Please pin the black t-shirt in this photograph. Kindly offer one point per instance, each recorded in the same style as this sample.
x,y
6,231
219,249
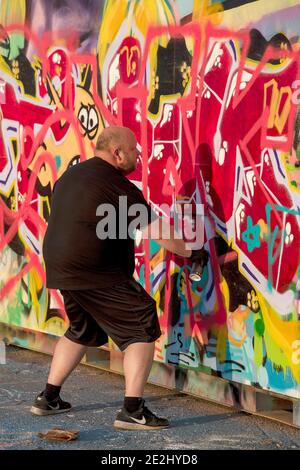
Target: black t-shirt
x,y
74,255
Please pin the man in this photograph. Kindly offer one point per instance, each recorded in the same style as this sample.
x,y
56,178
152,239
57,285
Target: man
x,y
94,276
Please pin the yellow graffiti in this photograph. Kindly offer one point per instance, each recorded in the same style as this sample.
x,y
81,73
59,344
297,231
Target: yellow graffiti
x,y
12,12
140,13
264,230
143,13
289,160
68,150
130,66
277,118
203,10
283,333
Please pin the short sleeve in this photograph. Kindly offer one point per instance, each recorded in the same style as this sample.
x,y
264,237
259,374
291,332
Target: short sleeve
x,y
136,199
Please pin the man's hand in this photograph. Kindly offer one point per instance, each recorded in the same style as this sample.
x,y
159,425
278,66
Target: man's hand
x,y
200,256
165,234
199,259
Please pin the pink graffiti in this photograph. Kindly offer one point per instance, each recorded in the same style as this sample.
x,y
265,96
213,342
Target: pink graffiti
x,y
215,140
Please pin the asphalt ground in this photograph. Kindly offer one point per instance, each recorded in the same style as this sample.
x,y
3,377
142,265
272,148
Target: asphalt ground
x,y
96,397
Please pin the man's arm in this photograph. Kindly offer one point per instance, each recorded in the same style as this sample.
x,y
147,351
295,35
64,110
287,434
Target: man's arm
x,y
166,235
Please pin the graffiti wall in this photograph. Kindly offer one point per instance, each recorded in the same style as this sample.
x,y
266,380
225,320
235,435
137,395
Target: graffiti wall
x,y
214,102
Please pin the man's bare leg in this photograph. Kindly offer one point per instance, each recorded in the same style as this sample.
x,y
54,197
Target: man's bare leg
x,y
66,357
138,359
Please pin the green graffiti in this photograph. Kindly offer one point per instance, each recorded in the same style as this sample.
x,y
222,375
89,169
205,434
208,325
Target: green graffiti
x,y
251,235
259,330
274,353
57,159
259,326
258,348
12,43
16,309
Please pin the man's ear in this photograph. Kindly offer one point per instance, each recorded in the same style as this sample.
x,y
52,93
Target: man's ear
x,y
117,154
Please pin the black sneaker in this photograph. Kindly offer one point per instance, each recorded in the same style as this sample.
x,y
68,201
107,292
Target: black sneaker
x,y
43,407
143,418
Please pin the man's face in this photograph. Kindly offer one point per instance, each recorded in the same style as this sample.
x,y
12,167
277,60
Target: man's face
x,y
128,154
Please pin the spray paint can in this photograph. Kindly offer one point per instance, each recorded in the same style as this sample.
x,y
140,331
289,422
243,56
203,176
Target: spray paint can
x,y
197,271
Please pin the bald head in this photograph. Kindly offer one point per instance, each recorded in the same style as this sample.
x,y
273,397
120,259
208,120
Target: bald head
x,y
117,145
113,136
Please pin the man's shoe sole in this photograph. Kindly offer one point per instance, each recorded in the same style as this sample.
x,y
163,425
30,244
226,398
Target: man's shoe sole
x,y
39,412
135,426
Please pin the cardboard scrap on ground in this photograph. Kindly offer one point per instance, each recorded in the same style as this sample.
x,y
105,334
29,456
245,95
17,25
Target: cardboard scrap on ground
x,y
59,434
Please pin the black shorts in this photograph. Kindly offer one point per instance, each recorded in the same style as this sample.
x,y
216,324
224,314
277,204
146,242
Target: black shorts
x,y
125,312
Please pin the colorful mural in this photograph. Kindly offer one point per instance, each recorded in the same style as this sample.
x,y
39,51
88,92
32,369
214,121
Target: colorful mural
x,y
214,104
